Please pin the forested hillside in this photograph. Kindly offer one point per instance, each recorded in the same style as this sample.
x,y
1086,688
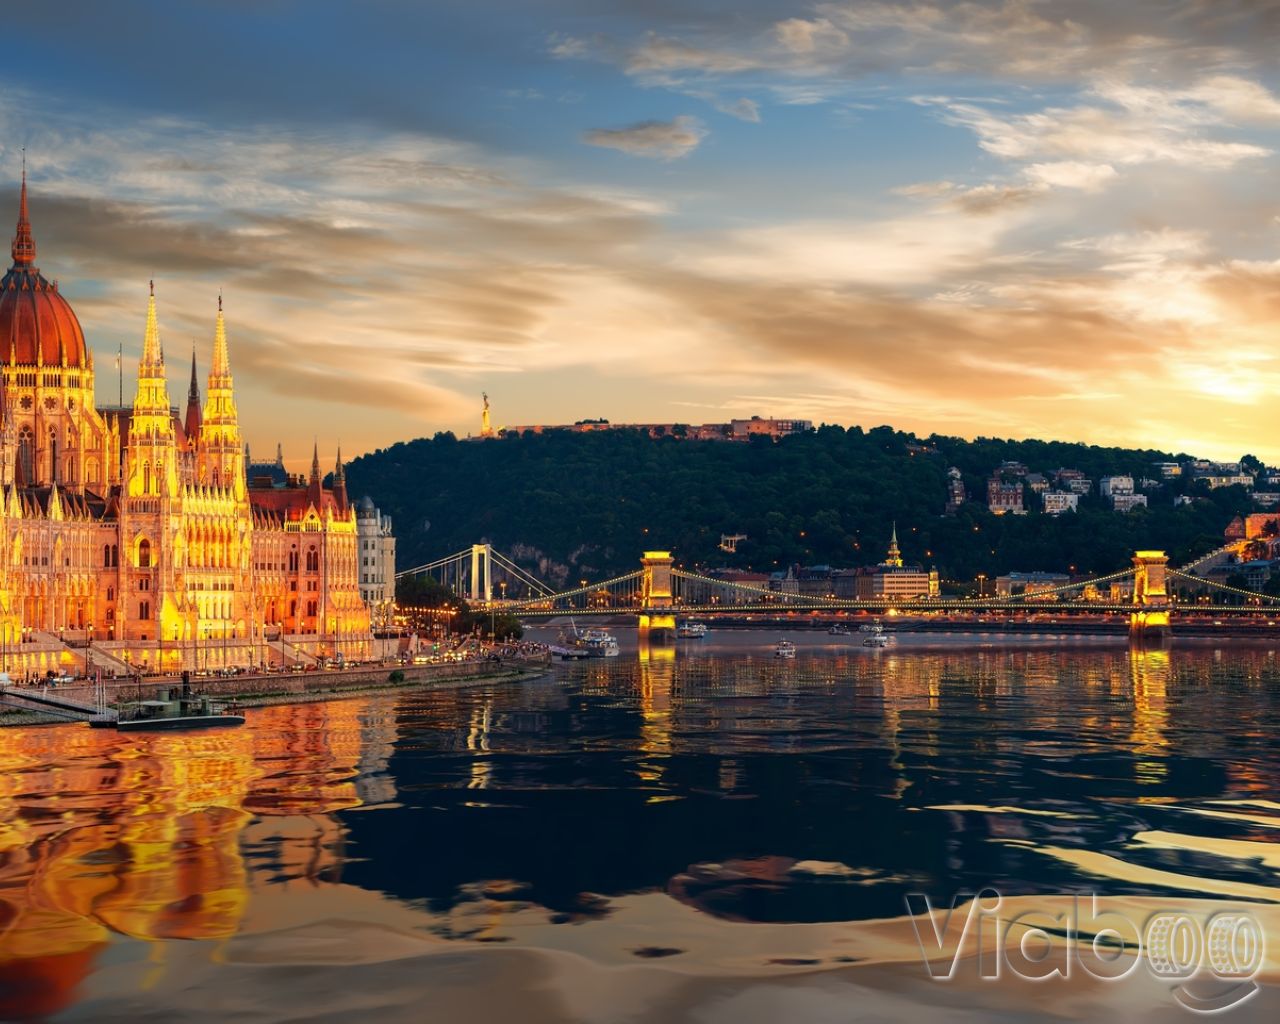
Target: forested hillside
x,y
588,504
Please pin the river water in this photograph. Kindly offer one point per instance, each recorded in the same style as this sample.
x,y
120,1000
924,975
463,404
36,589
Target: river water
x,y
691,832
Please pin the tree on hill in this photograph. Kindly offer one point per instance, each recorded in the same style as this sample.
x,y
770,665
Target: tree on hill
x,y
587,505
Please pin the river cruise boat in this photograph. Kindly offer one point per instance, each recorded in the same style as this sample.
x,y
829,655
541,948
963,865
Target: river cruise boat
x,y
691,630
877,640
839,629
597,643
785,649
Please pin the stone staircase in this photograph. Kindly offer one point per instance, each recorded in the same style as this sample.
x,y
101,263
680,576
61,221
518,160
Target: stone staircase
x,y
287,653
1213,560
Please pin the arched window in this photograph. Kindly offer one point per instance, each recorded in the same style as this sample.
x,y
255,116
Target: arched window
x,y
144,555
111,593
106,556
293,561
27,455
313,559
115,556
144,609
91,471
146,478
53,455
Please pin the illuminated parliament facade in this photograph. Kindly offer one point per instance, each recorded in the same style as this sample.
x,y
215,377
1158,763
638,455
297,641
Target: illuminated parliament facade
x,y
133,537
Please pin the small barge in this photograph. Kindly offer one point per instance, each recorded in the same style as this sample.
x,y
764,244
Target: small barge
x,y
170,711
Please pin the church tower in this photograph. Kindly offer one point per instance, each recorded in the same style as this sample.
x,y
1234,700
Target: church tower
x,y
894,557
221,450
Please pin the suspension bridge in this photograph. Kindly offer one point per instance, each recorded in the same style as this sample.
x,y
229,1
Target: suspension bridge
x,y
1149,592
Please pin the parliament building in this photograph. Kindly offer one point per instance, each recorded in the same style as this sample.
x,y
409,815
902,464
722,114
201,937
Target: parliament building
x,y
133,538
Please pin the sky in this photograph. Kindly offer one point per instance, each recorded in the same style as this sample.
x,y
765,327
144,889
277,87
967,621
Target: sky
x,y
987,218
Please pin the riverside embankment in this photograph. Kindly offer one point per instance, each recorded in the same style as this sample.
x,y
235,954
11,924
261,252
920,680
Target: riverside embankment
x,y
299,687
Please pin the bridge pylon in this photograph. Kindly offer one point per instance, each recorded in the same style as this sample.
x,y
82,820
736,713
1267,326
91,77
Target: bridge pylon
x,y
481,582
657,600
1150,617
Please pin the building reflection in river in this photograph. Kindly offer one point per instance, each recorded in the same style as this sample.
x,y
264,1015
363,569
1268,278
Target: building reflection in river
x,y
146,835
892,766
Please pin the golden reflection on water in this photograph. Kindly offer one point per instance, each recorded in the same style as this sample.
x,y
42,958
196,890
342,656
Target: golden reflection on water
x,y
143,834
657,679
161,837
1150,671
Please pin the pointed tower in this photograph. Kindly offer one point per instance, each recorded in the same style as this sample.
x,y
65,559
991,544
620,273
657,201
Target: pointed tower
x,y
894,557
191,423
221,449
315,492
340,484
150,493
152,421
24,244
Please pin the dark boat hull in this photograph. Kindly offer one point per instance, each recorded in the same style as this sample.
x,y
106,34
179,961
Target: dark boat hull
x,y
181,722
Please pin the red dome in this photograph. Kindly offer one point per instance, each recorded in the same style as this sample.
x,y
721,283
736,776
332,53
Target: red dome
x,y
36,323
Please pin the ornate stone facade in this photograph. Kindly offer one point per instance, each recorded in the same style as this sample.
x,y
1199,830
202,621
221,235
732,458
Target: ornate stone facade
x,y
131,537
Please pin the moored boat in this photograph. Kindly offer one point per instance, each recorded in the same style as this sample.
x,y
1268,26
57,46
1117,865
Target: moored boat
x,y
784,649
170,712
691,630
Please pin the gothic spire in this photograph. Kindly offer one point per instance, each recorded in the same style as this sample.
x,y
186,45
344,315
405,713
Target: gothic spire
x,y
193,392
151,416
191,423
152,357
221,366
315,462
340,483
24,245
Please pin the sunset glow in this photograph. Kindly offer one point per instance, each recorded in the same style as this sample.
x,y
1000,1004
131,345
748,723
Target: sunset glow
x,y
1030,219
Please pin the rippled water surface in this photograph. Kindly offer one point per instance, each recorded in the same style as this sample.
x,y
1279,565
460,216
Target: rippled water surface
x,y
673,805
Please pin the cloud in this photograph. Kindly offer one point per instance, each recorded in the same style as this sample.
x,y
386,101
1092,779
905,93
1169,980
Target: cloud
x,y
664,140
807,36
1135,129
1072,174
743,109
658,54
925,248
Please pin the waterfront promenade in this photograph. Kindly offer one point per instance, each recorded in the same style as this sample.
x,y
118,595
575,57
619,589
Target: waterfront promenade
x,y
255,689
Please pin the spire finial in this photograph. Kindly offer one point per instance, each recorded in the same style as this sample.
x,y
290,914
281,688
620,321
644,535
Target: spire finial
x,y
24,245
152,285
151,356
220,368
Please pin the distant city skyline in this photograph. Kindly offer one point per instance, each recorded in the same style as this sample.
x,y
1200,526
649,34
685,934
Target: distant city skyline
x,y
997,218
